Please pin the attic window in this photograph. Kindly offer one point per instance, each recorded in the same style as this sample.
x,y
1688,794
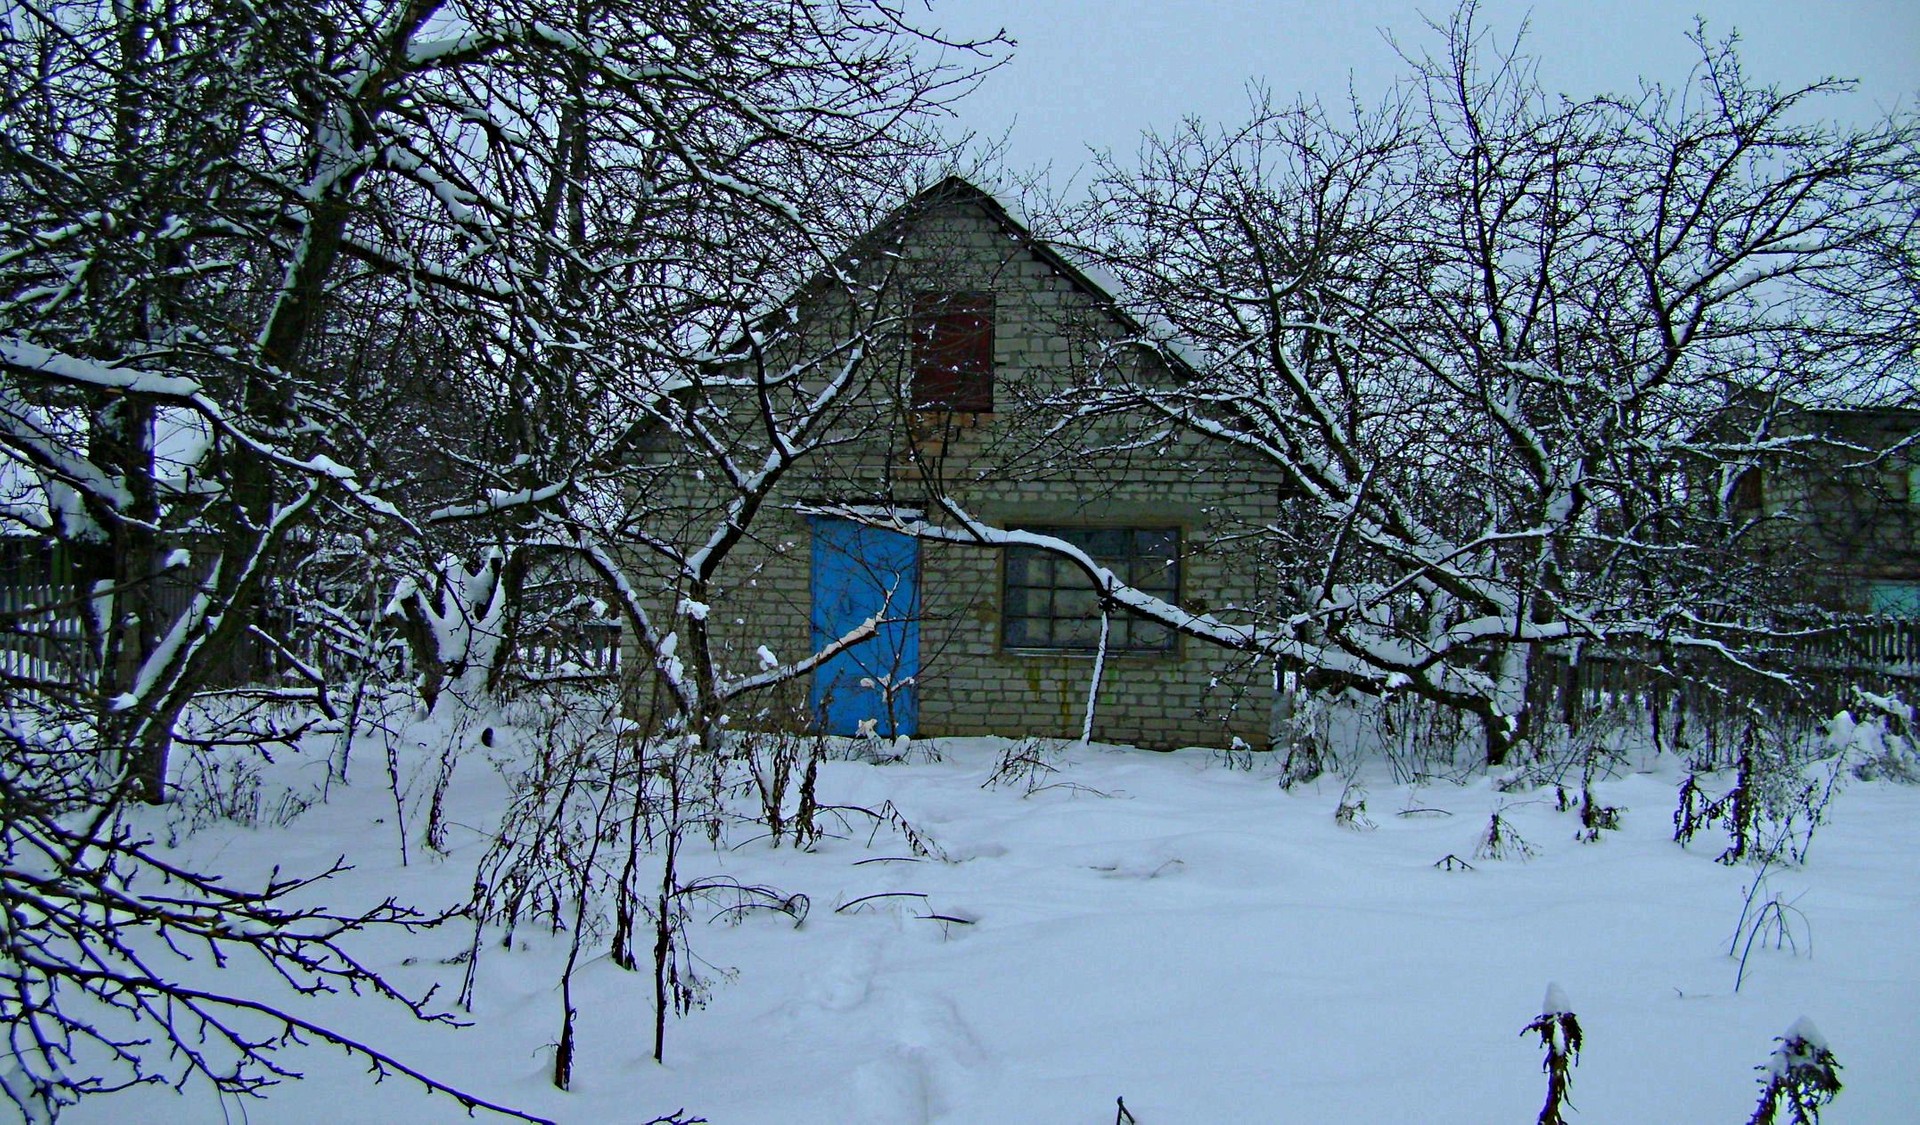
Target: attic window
x,y
953,352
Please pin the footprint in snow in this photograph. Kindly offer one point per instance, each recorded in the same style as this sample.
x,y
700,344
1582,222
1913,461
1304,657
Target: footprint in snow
x,y
929,1046
892,1090
847,981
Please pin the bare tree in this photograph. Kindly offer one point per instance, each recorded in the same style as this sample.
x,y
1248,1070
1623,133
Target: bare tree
x,y
1507,349
271,230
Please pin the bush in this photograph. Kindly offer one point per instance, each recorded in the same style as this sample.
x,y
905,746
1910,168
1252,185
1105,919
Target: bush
x,y
1800,1077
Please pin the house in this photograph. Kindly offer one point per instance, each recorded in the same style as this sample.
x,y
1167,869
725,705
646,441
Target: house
x,y
971,332
1844,508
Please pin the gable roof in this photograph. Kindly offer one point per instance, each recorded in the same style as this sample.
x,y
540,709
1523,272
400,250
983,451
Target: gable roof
x,y
1100,288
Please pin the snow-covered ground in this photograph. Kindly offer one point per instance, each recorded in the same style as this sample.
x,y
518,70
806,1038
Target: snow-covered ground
x,y
1174,929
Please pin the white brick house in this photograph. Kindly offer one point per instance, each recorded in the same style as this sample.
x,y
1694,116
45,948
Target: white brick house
x,y
979,331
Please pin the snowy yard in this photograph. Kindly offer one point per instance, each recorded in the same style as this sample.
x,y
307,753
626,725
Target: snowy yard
x,y
1174,929
380,382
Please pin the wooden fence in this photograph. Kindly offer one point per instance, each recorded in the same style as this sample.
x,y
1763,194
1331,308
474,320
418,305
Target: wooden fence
x,y
583,649
41,640
1888,644
1817,671
40,635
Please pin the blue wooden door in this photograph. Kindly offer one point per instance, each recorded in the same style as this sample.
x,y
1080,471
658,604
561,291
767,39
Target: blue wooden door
x,y
861,572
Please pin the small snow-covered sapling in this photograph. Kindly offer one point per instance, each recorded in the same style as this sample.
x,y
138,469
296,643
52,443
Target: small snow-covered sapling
x,y
1502,842
1352,810
1559,1032
1800,1077
1783,924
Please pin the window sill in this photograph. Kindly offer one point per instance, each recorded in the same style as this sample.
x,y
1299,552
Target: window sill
x,y
932,419
1087,654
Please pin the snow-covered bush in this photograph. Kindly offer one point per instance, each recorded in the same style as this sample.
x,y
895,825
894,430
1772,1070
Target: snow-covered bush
x,y
1418,738
1500,841
1876,734
1351,812
231,788
782,755
1029,765
106,935
1783,779
1559,1032
1766,919
1800,1077
591,848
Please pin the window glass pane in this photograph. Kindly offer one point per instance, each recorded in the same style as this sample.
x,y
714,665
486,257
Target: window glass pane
x,y
1076,633
1075,603
1107,545
1152,575
1070,577
1049,603
1029,602
1157,543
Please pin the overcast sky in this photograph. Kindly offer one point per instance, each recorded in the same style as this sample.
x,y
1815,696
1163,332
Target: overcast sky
x,y
1099,72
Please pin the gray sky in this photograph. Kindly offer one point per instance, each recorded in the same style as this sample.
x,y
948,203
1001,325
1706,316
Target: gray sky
x,y
1099,72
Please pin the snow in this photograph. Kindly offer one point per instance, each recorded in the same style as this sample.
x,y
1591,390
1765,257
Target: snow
x,y
20,354
1803,1031
17,1087
31,496
462,611
1174,929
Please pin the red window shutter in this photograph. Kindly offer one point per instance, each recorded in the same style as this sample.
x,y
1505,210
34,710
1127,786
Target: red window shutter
x,y
953,351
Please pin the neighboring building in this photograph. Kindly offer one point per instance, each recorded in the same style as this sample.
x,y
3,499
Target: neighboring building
x,y
1844,509
980,327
